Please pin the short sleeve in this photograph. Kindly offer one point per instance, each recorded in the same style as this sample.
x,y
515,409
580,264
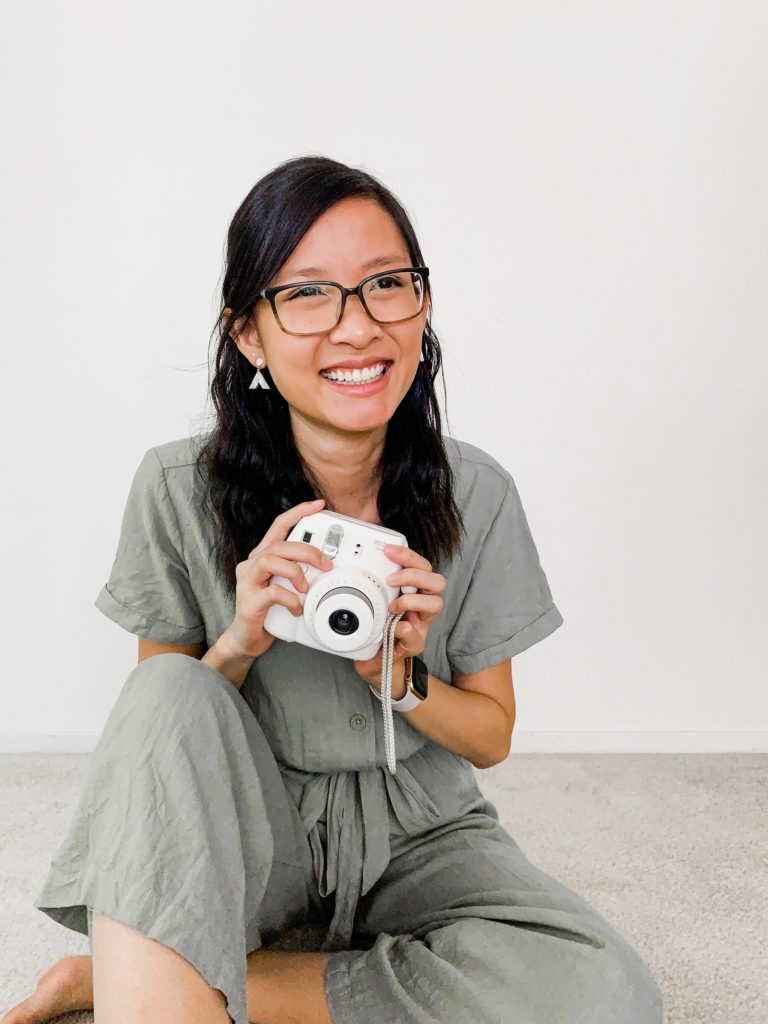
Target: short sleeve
x,y
508,605
148,591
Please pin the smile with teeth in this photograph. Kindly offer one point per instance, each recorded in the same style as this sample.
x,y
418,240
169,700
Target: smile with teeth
x,y
364,376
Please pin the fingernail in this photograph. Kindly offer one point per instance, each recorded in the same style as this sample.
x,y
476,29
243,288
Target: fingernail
x,y
392,577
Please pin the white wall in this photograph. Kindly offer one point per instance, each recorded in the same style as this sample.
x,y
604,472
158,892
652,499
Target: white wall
x,y
596,170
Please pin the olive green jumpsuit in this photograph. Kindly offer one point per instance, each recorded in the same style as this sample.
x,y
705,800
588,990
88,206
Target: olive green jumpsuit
x,y
212,818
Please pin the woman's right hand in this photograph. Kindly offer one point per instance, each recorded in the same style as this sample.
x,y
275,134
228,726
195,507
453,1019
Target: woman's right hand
x,y
273,556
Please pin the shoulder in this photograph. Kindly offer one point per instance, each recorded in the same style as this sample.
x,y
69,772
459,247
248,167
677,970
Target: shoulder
x,y
481,479
170,468
473,458
179,453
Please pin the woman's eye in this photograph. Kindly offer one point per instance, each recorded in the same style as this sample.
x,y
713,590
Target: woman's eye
x,y
304,293
388,280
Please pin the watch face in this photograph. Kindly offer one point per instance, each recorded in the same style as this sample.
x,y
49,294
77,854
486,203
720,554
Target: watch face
x,y
420,677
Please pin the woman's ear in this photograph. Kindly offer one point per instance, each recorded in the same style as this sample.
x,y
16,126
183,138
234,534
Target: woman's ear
x,y
244,334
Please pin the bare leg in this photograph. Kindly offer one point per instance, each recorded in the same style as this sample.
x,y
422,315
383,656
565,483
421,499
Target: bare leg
x,y
137,980
286,987
275,988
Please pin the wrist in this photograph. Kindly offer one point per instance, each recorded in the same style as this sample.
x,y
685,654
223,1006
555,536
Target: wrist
x,y
231,646
398,681
227,658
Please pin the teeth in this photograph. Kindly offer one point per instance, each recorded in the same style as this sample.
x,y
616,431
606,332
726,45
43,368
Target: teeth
x,y
364,376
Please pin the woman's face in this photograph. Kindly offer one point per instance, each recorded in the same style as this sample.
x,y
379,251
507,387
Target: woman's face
x,y
340,246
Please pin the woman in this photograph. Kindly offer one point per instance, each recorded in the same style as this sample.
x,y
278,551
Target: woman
x,y
240,785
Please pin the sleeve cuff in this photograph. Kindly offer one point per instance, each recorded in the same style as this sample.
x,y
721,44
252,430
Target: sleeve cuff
x,y
151,629
524,638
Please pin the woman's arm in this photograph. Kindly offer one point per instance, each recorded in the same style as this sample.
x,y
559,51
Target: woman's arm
x,y
474,717
224,659
148,648
234,667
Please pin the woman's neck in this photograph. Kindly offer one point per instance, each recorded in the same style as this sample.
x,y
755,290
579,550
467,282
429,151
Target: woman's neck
x,y
346,467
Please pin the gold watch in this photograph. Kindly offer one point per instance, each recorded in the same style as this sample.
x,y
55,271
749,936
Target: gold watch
x,y
416,679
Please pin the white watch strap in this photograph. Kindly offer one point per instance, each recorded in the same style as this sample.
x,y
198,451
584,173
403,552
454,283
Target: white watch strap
x,y
406,703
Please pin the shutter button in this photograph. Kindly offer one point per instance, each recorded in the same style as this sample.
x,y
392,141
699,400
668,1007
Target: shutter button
x,y
358,721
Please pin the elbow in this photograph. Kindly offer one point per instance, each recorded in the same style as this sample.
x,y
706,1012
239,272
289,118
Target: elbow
x,y
506,750
506,746
487,761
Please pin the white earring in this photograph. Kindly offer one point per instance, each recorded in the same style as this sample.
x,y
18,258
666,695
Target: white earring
x,y
259,381
421,355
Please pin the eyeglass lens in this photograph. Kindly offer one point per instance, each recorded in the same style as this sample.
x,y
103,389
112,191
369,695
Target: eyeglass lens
x,y
313,308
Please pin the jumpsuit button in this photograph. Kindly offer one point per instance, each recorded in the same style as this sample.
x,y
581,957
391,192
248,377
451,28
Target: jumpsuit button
x,y
358,721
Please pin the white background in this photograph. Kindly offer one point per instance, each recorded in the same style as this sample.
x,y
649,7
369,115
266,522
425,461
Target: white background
x,y
588,182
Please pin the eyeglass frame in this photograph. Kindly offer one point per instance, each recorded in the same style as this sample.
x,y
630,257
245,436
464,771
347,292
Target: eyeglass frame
x,y
269,294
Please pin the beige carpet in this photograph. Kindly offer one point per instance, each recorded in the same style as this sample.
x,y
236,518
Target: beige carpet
x,y
671,848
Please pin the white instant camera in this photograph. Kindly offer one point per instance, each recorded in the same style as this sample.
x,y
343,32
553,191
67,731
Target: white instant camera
x,y
345,607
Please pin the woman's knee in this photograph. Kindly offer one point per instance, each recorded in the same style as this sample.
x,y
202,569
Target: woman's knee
x,y
529,970
616,984
180,674
179,687
636,995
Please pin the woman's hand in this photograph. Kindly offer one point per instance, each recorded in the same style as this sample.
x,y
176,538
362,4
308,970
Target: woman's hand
x,y
421,609
273,556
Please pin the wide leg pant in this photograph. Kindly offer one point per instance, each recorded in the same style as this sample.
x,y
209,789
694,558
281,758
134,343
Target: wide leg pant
x,y
186,832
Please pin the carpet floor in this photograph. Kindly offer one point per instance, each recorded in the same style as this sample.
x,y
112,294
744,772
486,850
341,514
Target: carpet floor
x,y
671,848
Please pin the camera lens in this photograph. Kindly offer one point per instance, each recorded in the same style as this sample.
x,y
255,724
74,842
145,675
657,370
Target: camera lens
x,y
343,621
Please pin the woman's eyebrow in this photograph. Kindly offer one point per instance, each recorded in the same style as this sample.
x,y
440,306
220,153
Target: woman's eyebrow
x,y
377,261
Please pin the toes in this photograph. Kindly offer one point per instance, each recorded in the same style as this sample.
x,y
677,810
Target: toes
x,y
58,990
26,1012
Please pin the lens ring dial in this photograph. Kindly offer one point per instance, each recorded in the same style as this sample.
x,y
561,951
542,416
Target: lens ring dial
x,y
370,606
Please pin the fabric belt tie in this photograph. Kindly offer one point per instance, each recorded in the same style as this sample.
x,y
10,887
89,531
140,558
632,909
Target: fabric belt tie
x,y
357,832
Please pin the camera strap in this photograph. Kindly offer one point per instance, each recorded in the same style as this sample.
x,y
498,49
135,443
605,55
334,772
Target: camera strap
x,y
387,656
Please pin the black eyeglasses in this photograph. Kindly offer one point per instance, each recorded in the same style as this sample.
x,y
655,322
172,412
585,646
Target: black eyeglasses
x,y
313,307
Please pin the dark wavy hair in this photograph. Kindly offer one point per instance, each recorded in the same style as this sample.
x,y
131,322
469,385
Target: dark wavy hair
x,y
249,461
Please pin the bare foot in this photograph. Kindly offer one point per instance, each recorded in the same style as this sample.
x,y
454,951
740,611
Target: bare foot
x,y
68,985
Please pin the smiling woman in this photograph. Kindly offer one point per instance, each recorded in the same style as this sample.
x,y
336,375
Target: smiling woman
x,y
240,785
357,270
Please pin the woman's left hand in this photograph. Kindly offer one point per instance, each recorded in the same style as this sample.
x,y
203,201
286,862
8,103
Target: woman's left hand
x,y
421,609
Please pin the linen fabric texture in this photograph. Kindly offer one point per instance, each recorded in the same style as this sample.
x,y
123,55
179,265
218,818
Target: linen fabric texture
x,y
212,818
